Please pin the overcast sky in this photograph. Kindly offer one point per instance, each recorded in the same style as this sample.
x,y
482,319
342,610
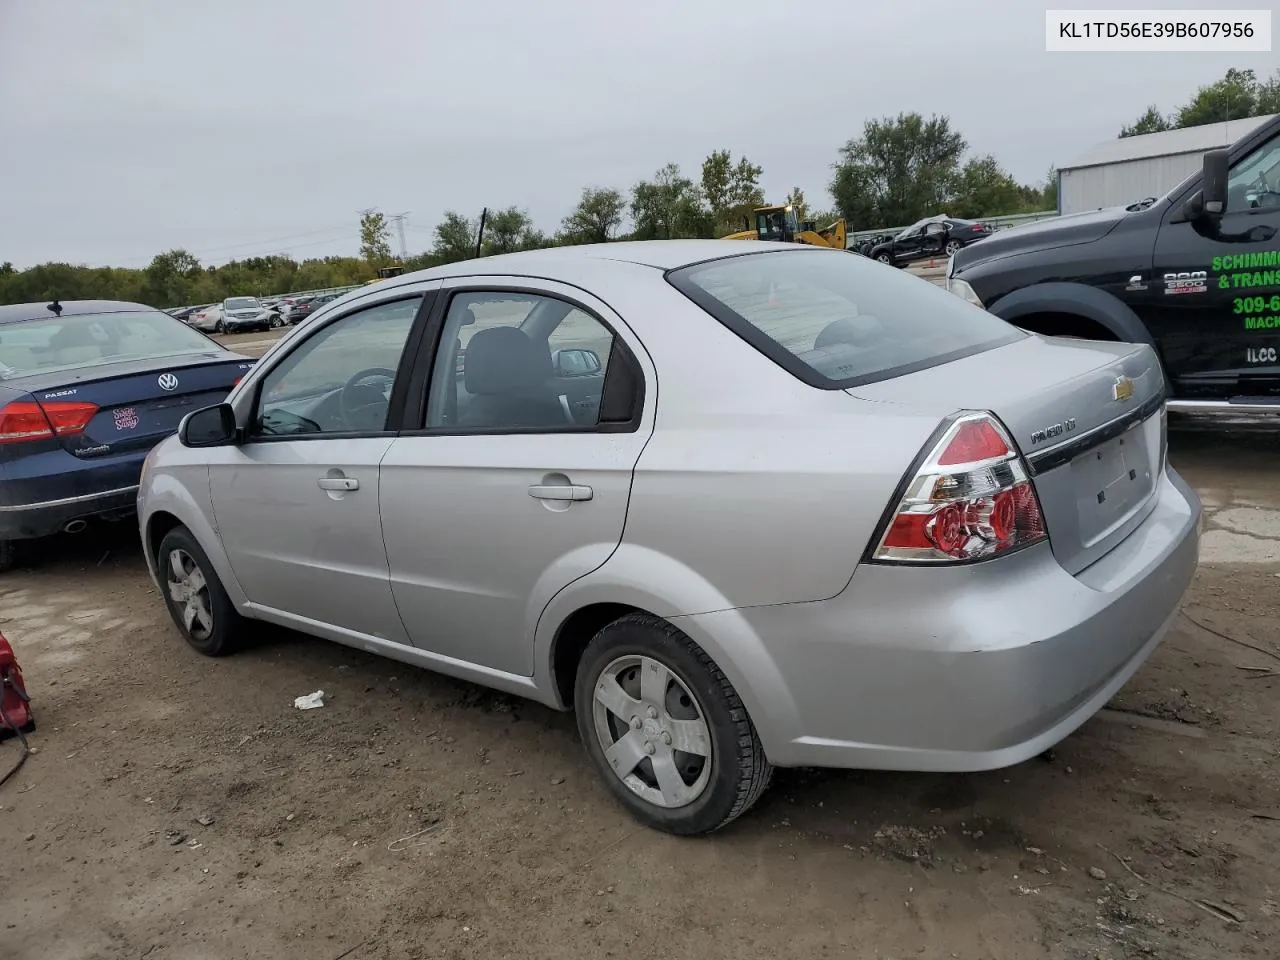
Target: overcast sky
x,y
241,127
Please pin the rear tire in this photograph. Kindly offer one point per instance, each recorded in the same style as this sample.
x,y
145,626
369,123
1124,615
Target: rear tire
x,y
953,247
219,328
200,607
643,687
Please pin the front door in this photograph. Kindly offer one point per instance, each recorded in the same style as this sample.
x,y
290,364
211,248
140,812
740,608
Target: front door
x,y
518,481
1216,286
297,502
906,247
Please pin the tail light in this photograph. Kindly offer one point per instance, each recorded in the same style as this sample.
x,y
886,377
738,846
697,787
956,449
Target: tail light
x,y
971,499
24,420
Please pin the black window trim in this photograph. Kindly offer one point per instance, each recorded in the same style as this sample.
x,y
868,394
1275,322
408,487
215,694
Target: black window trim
x,y
414,413
399,390
1238,151
681,279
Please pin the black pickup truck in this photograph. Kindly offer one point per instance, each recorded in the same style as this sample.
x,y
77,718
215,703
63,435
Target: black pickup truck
x,y
1195,273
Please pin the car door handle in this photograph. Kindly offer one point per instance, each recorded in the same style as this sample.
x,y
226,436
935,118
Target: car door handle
x,y
338,483
568,491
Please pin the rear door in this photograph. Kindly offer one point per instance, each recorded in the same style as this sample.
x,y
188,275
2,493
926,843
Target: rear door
x,y
1215,302
506,492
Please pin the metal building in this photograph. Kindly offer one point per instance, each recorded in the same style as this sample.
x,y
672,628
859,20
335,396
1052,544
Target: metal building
x,y
1123,171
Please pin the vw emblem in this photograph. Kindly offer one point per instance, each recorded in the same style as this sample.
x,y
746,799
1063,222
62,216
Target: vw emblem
x,y
167,381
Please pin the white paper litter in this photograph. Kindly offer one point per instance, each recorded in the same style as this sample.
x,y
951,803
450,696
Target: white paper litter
x,y
311,701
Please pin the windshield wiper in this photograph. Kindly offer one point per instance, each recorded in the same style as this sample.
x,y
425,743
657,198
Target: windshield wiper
x,y
1141,204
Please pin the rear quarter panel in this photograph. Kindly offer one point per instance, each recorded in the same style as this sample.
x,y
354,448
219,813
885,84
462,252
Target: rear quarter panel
x,y
755,488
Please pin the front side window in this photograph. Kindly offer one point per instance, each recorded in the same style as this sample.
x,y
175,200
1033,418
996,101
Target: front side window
x,y
517,361
1254,181
838,321
339,380
53,344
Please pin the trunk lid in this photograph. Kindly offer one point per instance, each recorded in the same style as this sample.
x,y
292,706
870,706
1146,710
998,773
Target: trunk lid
x,y
1088,416
138,403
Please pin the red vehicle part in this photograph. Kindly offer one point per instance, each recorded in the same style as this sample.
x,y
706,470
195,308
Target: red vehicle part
x,y
15,705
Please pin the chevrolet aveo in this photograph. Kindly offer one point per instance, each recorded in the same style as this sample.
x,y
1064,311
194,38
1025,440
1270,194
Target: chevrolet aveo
x,y
738,507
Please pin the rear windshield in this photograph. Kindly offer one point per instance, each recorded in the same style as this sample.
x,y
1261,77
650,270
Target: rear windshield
x,y
52,344
840,320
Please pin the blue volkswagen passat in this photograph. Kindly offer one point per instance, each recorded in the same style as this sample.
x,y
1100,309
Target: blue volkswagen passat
x,y
87,388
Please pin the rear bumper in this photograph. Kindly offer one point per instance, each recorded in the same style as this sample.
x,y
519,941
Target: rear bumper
x,y
1235,407
45,518
969,668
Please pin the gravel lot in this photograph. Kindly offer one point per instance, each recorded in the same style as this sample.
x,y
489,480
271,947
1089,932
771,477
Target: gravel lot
x,y
182,808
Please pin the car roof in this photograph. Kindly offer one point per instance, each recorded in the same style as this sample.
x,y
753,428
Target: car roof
x,y
15,312
550,261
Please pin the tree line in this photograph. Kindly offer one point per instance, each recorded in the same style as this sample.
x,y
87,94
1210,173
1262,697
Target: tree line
x,y
900,169
1238,95
897,171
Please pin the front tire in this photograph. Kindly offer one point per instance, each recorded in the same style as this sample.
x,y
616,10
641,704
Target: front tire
x,y
665,728
200,607
219,327
884,258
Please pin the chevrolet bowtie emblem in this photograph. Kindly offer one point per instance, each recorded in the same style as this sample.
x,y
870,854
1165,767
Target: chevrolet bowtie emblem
x,y
1122,389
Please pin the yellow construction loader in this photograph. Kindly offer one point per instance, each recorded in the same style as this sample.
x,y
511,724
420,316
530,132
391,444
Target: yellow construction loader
x,y
781,224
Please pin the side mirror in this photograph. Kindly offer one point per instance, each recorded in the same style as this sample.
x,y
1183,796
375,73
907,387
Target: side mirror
x,y
1213,182
213,426
576,362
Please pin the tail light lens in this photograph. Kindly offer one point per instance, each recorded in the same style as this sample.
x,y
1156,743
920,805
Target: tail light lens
x,y
24,420
971,499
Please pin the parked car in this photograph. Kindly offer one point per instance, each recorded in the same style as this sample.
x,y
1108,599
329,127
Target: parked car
x,y
993,546
299,309
208,319
243,314
86,389
303,307
185,313
1195,274
928,238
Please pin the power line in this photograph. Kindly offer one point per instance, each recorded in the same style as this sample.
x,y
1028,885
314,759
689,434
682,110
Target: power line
x,y
248,243
290,247
398,219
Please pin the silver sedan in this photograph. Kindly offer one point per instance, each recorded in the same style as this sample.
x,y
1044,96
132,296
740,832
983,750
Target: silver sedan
x,y
738,505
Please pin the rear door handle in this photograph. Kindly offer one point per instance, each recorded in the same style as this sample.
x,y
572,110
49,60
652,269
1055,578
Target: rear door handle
x,y
569,491
338,483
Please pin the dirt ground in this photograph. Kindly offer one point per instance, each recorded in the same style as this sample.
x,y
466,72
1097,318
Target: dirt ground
x,y
181,808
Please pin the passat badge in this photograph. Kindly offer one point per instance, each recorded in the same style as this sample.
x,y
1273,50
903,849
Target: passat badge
x,y
1122,389
167,381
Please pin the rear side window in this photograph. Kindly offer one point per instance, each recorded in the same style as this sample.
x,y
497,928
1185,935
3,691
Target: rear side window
x,y
838,320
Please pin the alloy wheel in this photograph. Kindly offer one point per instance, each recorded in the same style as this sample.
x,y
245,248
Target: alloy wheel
x,y
189,590
653,731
